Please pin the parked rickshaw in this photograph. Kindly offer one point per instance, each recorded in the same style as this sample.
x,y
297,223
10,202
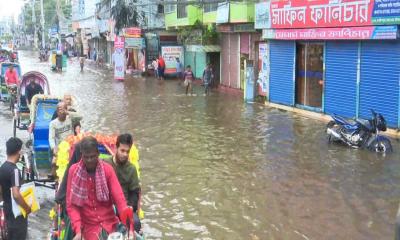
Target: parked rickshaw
x,y
5,55
5,95
22,117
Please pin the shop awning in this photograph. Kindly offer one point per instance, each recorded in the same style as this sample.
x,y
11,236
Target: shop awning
x,y
201,48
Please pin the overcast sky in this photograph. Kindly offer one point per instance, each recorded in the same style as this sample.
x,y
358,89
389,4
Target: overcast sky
x,y
10,8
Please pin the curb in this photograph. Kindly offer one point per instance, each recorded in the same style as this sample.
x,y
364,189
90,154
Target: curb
x,y
395,133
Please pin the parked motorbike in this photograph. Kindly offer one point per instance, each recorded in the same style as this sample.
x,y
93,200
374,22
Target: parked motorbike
x,y
43,56
360,133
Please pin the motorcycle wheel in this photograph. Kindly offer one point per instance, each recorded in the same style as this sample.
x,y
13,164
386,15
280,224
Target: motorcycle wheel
x,y
382,146
331,124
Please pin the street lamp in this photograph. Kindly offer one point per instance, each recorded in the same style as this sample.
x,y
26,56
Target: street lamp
x,y
42,22
34,24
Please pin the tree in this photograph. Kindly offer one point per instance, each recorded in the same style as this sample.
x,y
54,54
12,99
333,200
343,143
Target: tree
x,y
125,15
50,14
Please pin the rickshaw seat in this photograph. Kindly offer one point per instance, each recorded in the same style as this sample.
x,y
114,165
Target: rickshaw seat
x,y
41,145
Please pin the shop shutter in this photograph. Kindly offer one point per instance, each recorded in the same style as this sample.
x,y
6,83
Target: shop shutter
x,y
379,84
234,68
340,84
281,73
245,43
225,59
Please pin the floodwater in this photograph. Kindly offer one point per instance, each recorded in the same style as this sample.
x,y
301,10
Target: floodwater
x,y
217,168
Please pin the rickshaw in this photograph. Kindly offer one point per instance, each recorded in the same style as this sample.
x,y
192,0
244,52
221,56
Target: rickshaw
x,y
4,93
61,224
5,55
22,116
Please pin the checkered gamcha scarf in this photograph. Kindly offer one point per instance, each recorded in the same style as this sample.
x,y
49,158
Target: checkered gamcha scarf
x,y
79,189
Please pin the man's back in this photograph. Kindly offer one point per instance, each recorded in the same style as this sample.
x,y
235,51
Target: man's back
x,y
9,177
32,90
161,62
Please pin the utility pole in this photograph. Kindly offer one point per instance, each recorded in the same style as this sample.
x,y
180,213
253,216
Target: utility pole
x,y
35,40
42,22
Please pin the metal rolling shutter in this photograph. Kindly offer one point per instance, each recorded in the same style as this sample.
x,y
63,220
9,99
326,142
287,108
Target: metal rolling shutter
x,y
281,74
341,78
245,43
225,59
234,69
379,84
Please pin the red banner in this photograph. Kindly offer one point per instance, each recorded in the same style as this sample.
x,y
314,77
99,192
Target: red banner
x,y
320,13
133,32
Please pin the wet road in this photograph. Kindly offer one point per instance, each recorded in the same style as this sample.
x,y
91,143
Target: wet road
x,y
216,168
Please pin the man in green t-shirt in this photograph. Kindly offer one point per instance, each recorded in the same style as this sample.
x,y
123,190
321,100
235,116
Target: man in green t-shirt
x,y
126,171
127,174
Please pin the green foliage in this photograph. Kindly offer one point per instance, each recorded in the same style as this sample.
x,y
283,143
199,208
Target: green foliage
x,y
50,14
6,38
198,34
125,15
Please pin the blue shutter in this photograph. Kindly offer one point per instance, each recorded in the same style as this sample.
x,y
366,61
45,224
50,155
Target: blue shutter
x,y
379,85
281,74
340,85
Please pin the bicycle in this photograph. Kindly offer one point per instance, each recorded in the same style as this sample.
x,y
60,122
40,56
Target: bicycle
x,y
12,90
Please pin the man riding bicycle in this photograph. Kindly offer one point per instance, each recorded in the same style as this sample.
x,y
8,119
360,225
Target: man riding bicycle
x,y
11,76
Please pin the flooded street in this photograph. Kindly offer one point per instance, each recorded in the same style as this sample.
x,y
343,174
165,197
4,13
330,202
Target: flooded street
x,y
217,168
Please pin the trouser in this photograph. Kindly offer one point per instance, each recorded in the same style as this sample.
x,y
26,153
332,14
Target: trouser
x,y
206,88
17,228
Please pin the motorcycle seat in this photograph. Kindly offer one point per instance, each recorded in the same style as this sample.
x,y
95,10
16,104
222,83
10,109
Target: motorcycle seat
x,y
365,123
349,125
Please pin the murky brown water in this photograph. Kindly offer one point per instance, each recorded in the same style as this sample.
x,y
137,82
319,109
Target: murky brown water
x,y
216,168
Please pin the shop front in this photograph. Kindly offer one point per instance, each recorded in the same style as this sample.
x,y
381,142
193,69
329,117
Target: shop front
x,y
237,43
344,61
134,50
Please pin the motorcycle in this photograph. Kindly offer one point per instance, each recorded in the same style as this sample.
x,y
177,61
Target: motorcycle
x,y
43,56
360,133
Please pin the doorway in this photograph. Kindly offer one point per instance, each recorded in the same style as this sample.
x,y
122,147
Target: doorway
x,y
243,60
214,59
309,74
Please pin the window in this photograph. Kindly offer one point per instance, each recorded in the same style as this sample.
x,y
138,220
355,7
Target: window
x,y
160,8
210,7
182,10
170,8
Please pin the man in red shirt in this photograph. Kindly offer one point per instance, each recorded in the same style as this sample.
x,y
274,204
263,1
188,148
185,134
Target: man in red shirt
x,y
161,67
92,189
11,76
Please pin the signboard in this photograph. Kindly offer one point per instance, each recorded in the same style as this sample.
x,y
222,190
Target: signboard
x,y
262,15
249,86
133,32
226,28
170,53
263,68
386,12
223,13
119,58
355,33
244,27
134,43
333,13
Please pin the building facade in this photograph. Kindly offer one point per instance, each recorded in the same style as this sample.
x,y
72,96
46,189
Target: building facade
x,y
334,58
